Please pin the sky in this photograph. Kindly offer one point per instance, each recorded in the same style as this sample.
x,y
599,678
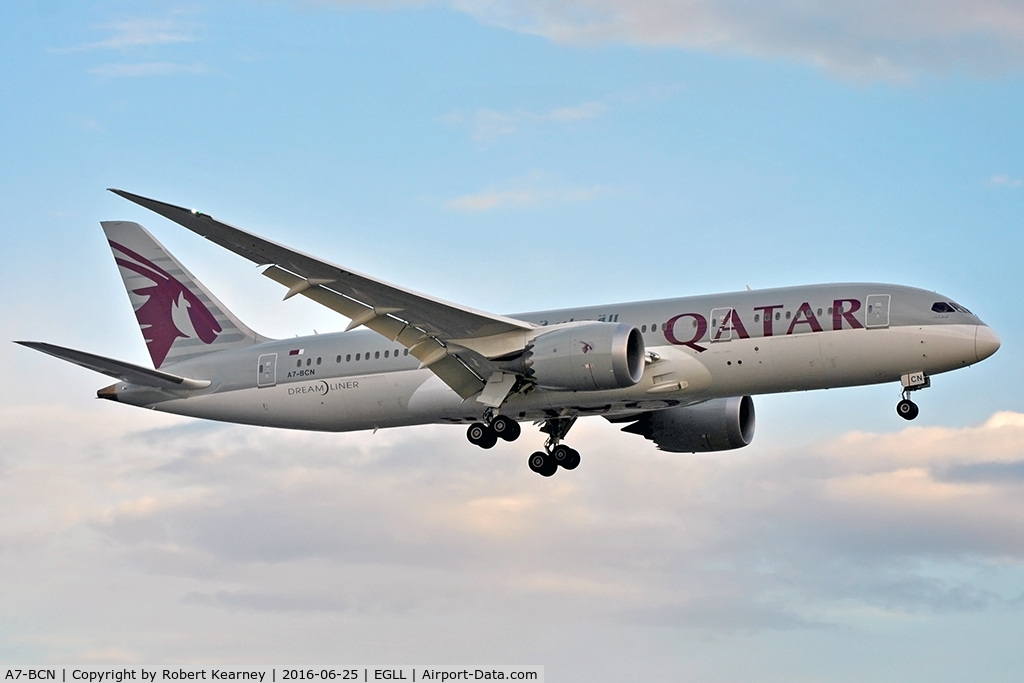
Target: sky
x,y
517,156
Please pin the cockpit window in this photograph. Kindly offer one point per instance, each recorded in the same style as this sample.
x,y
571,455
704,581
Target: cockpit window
x,y
949,307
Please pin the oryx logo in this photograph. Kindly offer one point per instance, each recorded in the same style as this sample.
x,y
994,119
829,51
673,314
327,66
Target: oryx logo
x,y
587,348
170,311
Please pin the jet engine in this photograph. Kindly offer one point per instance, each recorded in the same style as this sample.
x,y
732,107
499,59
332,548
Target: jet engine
x,y
585,356
717,425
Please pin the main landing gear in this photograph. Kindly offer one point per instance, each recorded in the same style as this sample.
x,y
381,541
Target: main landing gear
x,y
556,454
486,434
546,462
915,381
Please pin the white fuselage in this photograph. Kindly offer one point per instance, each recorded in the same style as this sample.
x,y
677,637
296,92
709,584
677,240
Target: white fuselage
x,y
700,348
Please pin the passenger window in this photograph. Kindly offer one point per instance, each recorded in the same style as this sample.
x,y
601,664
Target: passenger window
x,y
298,363
339,360
644,328
819,311
386,353
348,357
778,316
788,315
376,354
406,352
309,361
357,356
757,317
318,359
830,310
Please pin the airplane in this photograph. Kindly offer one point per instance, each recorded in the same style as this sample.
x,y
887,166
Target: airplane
x,y
679,372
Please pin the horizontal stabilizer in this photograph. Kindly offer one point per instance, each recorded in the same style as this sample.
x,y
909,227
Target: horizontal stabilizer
x,y
126,372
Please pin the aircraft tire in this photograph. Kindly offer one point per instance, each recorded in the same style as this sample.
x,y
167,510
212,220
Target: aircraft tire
x,y
574,460
506,428
481,435
562,455
543,464
907,409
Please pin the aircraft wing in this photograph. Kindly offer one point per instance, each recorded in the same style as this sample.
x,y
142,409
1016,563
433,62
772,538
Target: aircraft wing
x,y
126,372
422,323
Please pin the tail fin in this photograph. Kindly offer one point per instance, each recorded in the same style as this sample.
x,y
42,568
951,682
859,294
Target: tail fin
x,y
180,319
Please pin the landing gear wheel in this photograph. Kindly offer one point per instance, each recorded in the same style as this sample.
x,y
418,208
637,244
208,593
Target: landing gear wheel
x,y
574,460
907,409
543,464
565,456
481,435
506,428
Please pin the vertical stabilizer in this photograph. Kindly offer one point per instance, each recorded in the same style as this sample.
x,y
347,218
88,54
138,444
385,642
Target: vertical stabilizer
x,y
180,319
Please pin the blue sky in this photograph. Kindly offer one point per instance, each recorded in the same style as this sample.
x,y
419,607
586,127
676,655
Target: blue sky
x,y
518,156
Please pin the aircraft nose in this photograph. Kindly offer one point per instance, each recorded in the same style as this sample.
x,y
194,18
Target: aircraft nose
x,y
986,342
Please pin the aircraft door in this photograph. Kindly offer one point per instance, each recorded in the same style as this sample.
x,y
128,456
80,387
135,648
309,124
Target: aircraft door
x,y
266,373
877,314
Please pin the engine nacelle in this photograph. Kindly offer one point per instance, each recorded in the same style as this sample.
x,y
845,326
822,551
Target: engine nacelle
x,y
717,425
586,356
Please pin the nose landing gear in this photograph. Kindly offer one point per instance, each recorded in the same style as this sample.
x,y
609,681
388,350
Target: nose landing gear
x,y
914,381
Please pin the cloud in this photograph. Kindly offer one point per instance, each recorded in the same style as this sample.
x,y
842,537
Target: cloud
x,y
537,188
487,125
135,33
423,538
141,35
854,38
146,69
1005,181
860,39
